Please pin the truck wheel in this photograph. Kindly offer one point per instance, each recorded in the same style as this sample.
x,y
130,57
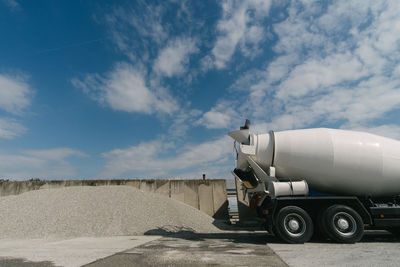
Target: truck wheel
x,y
293,225
274,232
343,224
320,231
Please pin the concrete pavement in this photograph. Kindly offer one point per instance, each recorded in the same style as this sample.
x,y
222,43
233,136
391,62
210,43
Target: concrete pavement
x,y
377,248
225,249
229,248
68,253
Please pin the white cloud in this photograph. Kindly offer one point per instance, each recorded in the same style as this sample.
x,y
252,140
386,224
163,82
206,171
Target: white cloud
x,y
11,4
144,20
153,159
337,65
240,26
174,58
15,97
50,163
15,93
387,130
320,74
222,116
10,128
182,122
56,154
349,82
125,89
215,120
142,29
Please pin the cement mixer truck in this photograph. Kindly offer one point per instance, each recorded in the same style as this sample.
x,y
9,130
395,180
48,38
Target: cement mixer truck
x,y
328,181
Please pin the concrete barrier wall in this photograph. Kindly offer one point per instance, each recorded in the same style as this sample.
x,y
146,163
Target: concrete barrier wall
x,y
208,196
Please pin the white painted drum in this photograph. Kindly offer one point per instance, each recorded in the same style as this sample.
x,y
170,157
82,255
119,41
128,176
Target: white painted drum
x,y
333,161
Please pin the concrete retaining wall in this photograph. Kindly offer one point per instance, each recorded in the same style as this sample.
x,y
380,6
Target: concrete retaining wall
x,y
208,196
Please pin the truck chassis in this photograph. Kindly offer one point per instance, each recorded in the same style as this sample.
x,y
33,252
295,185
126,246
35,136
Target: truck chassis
x,y
295,219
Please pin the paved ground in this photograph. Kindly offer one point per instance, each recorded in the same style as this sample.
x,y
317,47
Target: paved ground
x,y
69,253
378,248
227,249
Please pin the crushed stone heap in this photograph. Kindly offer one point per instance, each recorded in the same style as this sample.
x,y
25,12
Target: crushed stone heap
x,y
96,211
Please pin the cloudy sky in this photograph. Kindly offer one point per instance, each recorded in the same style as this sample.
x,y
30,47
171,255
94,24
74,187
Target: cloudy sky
x,y
149,89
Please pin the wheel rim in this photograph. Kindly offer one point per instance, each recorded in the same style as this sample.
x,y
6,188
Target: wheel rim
x,y
294,224
344,224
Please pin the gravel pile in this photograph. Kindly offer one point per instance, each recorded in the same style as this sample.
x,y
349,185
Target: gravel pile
x,y
96,211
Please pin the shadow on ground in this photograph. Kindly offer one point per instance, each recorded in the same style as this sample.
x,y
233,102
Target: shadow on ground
x,y
254,234
24,263
236,234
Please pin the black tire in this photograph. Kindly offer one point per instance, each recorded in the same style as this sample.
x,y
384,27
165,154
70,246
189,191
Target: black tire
x,y
342,224
294,225
274,231
320,231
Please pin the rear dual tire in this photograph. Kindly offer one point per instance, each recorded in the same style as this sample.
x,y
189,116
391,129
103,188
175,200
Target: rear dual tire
x,y
341,224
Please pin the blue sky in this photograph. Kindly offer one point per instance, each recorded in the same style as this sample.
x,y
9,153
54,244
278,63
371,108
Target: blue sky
x,y
149,89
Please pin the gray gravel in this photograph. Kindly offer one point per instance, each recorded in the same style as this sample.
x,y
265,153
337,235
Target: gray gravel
x,y
96,211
